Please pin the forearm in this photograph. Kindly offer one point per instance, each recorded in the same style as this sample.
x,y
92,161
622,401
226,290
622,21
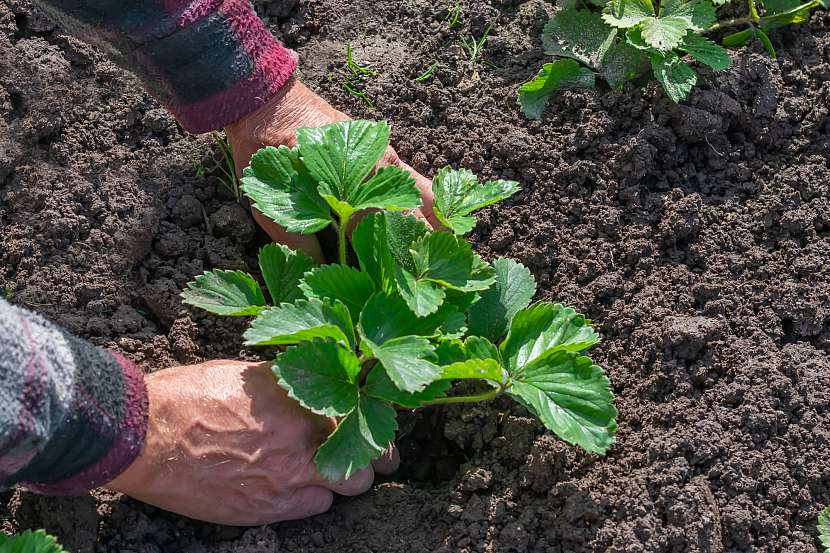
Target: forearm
x,y
72,416
210,62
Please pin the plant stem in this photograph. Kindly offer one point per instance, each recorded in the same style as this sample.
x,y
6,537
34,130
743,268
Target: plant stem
x,y
342,240
730,23
760,20
487,396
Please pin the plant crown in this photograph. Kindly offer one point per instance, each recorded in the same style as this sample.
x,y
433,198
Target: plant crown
x,y
419,310
619,41
37,541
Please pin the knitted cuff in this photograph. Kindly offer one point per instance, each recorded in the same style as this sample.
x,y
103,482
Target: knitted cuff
x,y
126,445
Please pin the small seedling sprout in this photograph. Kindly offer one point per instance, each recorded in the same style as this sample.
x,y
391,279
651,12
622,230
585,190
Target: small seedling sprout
x,y
355,72
430,71
228,166
475,47
356,69
454,14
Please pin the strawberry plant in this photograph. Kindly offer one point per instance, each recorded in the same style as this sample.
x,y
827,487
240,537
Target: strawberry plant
x,y
418,311
37,541
632,40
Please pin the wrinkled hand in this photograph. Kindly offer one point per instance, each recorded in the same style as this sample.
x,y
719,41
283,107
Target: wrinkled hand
x,y
225,444
275,124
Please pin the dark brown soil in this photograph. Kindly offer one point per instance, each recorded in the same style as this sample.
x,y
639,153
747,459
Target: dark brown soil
x,y
696,236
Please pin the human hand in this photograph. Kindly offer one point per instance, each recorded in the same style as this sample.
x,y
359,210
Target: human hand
x,y
275,124
225,444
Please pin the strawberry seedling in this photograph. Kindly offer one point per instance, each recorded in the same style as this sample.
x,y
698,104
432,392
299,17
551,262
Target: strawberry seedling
x,y
634,39
419,311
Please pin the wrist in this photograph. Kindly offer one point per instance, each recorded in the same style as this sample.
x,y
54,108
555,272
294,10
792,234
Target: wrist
x,y
276,121
138,473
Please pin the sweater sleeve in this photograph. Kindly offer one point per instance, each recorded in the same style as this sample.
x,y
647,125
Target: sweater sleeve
x,y
209,62
72,416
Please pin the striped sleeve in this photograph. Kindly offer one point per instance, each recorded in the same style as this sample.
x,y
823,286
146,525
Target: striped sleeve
x,y
72,416
209,62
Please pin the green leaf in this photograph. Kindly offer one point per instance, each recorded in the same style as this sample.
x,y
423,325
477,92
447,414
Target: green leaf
x,y
422,296
458,194
545,327
450,351
477,347
473,369
823,527
455,322
37,541
578,34
378,385
391,188
407,360
448,260
386,317
301,321
740,38
282,268
445,260
382,239
475,358
664,33
621,64
634,38
369,240
571,396
677,78
340,156
780,6
321,375
627,13
707,52
339,282
799,14
281,188
401,232
561,74
359,439
490,316
232,293
698,14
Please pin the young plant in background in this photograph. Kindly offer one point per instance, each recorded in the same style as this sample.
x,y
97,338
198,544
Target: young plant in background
x,y
474,47
355,74
419,311
633,39
30,541
454,14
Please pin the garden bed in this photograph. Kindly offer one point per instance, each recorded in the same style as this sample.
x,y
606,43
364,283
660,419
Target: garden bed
x,y
696,236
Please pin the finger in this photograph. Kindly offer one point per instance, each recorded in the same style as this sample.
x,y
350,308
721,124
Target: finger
x,y
302,503
425,186
305,242
356,484
388,462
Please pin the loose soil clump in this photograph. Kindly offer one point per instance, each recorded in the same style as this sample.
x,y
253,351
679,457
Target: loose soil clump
x,y
696,236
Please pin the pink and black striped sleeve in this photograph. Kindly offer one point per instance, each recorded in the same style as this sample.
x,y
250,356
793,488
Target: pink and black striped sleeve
x,y
72,416
209,62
